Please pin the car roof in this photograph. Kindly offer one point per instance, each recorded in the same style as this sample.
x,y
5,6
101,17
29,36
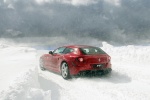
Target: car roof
x,y
77,46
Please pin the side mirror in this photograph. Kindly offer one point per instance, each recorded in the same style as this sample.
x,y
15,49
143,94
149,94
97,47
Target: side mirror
x,y
50,52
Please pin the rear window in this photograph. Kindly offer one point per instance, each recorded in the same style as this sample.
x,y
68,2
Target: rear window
x,y
92,50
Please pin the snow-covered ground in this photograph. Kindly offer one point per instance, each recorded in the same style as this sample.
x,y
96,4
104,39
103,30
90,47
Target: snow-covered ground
x,y
21,79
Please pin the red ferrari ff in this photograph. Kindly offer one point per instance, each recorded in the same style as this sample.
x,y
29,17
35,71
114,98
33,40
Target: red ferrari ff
x,y
75,59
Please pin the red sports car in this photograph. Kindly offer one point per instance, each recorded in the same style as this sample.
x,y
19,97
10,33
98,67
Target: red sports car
x,y
75,59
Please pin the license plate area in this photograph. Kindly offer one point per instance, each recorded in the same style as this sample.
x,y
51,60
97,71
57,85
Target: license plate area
x,y
98,65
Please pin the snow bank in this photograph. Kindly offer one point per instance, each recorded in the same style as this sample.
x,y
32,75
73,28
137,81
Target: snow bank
x,y
128,54
130,60
25,87
18,74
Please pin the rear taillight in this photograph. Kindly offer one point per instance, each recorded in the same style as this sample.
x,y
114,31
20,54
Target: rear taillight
x,y
81,59
109,59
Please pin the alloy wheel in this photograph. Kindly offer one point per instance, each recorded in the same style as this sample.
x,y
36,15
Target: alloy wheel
x,y
65,70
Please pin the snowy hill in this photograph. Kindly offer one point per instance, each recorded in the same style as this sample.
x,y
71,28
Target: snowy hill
x,y
21,78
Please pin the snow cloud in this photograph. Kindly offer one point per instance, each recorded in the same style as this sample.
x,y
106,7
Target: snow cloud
x,y
43,1
98,19
72,2
11,6
80,2
114,2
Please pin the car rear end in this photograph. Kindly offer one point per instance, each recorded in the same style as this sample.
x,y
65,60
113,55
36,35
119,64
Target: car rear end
x,y
91,59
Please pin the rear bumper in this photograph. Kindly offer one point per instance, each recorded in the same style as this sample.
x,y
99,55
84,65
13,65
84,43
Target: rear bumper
x,y
74,70
95,72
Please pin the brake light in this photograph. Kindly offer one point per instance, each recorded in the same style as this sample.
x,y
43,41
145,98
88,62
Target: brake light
x,y
80,59
109,58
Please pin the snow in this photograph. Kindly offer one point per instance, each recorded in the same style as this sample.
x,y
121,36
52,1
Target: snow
x,y
25,87
19,75
21,78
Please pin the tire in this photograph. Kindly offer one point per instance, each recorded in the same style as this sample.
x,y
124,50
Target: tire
x,y
65,71
41,65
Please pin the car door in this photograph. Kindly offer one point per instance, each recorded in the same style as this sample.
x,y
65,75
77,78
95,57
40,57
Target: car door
x,y
56,58
47,61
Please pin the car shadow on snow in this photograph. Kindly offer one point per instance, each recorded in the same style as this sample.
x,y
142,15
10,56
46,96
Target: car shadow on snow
x,y
113,77
49,85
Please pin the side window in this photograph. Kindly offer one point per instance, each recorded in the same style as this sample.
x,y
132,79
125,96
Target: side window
x,y
68,50
92,50
59,50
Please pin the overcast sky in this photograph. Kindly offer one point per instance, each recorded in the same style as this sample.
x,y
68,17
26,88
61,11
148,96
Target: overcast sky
x,y
114,21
